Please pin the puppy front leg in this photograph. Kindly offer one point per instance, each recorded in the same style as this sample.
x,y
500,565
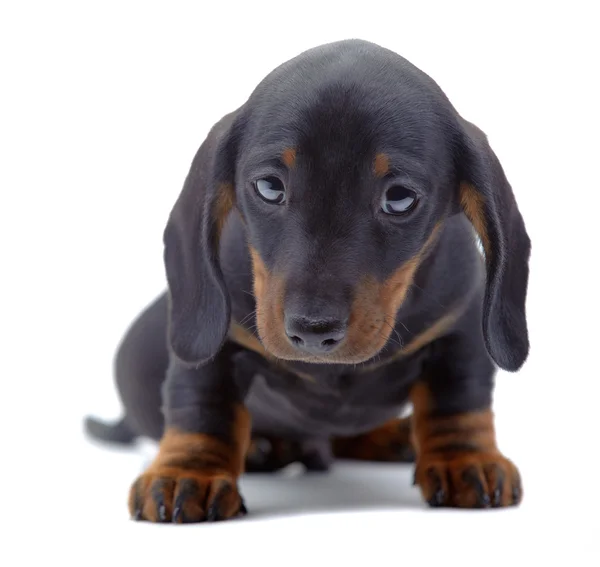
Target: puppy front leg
x,y
201,454
458,462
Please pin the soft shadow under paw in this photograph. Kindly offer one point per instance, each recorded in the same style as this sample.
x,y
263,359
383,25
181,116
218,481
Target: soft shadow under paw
x,y
347,486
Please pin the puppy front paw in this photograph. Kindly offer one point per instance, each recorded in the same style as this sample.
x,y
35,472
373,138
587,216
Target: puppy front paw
x,y
179,495
468,480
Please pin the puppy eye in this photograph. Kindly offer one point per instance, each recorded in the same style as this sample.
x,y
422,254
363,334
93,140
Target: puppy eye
x,y
271,190
398,200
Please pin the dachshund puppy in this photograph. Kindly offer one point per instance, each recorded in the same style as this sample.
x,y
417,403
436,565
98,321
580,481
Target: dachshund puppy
x,y
324,273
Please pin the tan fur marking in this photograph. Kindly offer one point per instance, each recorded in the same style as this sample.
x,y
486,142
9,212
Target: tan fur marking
x,y
245,338
289,157
223,205
375,305
430,334
205,462
381,165
430,434
388,442
176,444
472,203
458,462
268,292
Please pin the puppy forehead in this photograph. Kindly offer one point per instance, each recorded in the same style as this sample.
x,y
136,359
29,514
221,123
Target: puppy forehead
x,y
343,130
317,150
330,114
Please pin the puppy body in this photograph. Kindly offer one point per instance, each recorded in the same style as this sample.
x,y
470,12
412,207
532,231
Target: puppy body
x,y
307,401
303,305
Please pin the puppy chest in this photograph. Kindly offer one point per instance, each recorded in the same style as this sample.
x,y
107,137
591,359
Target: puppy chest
x,y
309,411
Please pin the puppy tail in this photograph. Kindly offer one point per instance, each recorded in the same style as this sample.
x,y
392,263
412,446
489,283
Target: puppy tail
x,y
117,433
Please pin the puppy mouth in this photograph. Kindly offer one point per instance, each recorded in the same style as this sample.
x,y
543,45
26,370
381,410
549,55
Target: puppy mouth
x,y
337,332
279,346
335,335
355,344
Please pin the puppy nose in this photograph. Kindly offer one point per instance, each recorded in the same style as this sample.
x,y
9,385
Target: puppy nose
x,y
315,336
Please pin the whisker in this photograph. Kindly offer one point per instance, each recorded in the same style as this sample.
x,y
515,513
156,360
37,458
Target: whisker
x,y
400,342
429,296
377,357
407,329
248,317
392,340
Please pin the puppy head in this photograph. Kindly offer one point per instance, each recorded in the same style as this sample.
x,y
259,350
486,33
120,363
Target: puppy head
x,y
343,164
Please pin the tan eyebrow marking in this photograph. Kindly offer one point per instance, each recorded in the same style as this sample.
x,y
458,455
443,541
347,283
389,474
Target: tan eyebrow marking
x,y
289,157
381,165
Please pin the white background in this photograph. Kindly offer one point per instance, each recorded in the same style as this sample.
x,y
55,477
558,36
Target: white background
x,y
102,106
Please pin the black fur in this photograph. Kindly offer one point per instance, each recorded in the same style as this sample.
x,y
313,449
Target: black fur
x,y
338,106
504,321
200,306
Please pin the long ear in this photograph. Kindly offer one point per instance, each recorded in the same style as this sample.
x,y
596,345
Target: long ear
x,y
488,201
199,304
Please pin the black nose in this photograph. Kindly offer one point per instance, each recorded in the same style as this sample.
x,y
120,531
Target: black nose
x,y
316,336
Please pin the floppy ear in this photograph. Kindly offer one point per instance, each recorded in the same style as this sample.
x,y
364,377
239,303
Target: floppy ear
x,y
488,201
199,304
